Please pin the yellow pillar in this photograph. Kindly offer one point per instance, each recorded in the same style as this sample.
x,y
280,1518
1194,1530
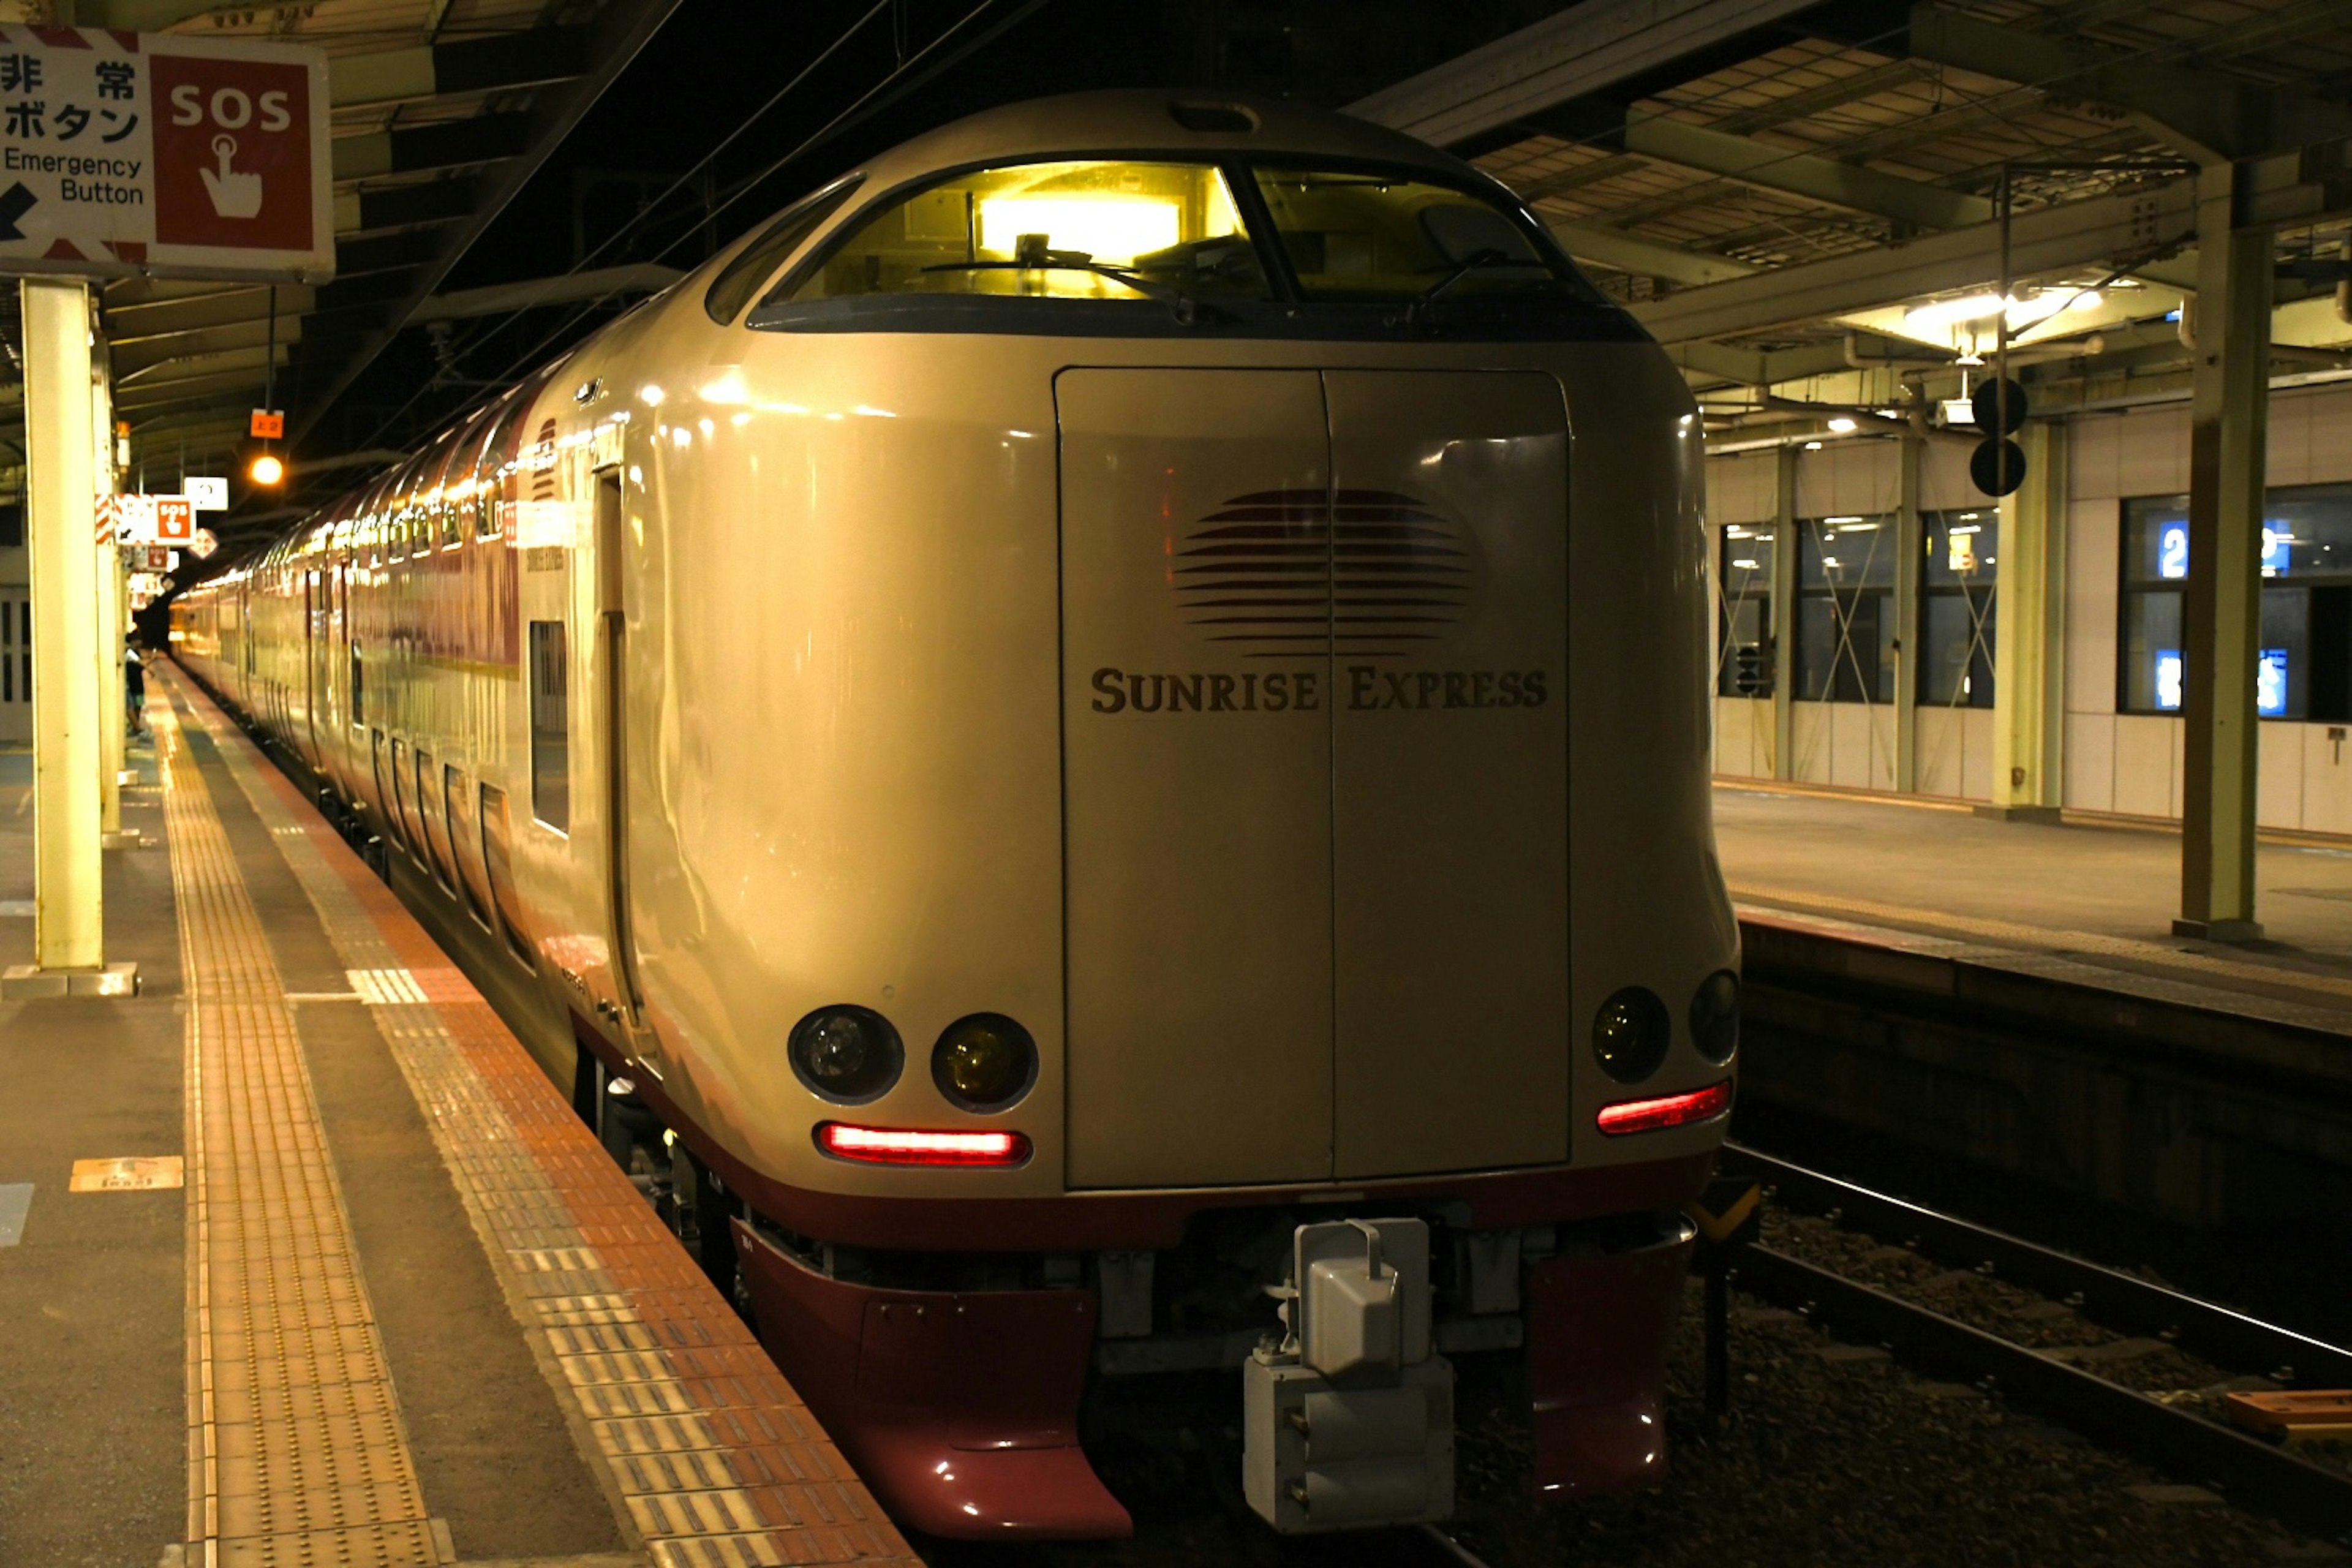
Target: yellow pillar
x,y
2228,424
2027,701
59,514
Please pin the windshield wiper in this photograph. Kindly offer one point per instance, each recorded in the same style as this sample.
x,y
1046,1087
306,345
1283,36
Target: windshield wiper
x,y
1476,261
1189,309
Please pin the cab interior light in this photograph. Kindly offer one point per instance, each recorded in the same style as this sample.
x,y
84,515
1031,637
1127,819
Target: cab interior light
x,y
1666,1111
920,1146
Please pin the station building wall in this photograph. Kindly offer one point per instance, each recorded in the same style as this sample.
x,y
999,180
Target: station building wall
x,y
2120,763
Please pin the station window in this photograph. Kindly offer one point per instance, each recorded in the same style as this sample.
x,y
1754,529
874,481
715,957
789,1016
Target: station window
x,y
1957,607
550,727
2304,652
1744,586
498,859
1846,609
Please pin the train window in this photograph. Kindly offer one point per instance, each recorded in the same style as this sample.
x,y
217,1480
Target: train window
x,y
498,861
757,262
403,807
1386,237
435,837
1091,229
384,796
550,727
359,684
465,844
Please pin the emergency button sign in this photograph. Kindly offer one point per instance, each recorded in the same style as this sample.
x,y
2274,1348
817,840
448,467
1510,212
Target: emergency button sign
x,y
232,152
162,155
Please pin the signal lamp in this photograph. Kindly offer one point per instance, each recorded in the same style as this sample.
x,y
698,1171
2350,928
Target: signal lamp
x,y
1666,1111
1714,1016
985,1062
915,1146
846,1055
268,470
1630,1033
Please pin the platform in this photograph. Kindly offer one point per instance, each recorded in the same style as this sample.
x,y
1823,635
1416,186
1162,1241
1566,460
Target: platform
x,y
2090,899
350,1283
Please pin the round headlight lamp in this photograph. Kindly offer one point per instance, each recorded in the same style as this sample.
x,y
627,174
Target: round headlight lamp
x,y
1630,1033
1714,1016
984,1062
846,1055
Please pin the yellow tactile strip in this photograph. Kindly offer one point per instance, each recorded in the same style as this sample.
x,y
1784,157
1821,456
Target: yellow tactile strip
x,y
712,1457
295,1454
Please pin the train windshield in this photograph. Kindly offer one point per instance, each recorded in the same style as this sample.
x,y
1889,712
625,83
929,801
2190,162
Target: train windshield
x,y
1392,238
1091,229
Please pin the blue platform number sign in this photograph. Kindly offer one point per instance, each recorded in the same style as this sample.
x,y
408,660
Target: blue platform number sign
x,y
2168,679
2270,684
2278,548
2172,550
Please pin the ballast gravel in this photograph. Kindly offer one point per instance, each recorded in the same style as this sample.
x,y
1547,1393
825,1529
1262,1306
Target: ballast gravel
x,y
1835,1453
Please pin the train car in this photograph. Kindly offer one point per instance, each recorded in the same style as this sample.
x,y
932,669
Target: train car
x,y
1090,750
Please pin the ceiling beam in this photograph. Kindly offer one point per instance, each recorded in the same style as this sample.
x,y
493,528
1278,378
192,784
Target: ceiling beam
x,y
202,367
137,354
504,60
1623,252
2103,230
500,299
2211,114
1835,93
1809,175
1579,51
607,44
450,144
132,322
406,207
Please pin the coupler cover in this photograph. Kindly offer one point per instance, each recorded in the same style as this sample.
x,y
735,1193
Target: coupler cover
x,y
1349,1420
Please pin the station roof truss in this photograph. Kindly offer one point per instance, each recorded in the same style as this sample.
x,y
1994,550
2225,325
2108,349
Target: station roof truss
x,y
1802,201
442,110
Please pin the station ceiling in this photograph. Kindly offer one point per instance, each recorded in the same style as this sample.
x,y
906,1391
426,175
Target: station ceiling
x,y
1800,198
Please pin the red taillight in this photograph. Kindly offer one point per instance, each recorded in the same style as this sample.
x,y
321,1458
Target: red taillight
x,y
1666,1111
910,1146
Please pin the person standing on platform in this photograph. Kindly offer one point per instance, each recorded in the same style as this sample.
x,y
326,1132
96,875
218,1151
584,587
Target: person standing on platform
x,y
134,690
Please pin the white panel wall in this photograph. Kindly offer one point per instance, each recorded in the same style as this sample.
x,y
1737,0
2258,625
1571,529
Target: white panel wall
x,y
1742,487
1849,478
1743,737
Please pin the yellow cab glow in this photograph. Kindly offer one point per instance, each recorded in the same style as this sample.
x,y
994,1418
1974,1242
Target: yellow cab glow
x,y
1107,227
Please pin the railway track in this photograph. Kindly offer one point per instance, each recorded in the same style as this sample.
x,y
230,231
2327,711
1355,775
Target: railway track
x,y
2131,1331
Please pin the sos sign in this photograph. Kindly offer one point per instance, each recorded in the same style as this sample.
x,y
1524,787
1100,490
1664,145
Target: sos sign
x,y
233,146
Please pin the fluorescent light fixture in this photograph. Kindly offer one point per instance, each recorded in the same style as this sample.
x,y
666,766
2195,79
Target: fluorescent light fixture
x,y
1842,425
1834,522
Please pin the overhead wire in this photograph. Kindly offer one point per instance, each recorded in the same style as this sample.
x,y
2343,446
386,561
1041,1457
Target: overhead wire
x,y
904,76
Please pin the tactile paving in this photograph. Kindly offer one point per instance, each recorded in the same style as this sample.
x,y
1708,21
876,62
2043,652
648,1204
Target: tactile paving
x,y
295,1454
715,1457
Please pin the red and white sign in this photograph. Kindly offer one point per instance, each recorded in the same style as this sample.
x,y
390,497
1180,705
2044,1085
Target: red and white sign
x,y
154,520
164,156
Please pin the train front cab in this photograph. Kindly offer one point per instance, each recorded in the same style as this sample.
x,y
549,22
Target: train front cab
x,y
1346,829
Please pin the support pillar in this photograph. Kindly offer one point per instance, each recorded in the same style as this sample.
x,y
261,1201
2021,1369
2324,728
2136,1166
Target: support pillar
x,y
112,701
2029,602
69,930
1784,613
1908,559
2227,429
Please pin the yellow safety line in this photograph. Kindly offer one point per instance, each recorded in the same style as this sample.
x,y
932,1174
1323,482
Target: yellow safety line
x,y
283,1353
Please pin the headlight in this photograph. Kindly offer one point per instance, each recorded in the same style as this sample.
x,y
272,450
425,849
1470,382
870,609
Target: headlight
x,y
1714,1017
846,1055
1630,1034
984,1062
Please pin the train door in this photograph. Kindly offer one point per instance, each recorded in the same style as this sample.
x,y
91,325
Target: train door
x,y
310,684
612,636
1197,769
1449,770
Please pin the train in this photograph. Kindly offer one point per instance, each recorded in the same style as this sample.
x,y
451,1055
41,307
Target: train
x,y
1089,754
